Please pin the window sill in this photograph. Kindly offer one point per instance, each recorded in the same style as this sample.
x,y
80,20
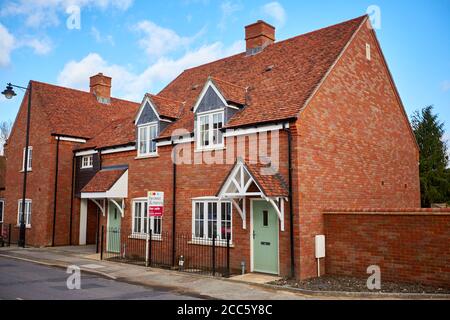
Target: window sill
x,y
139,236
149,156
85,168
210,149
23,171
203,242
26,227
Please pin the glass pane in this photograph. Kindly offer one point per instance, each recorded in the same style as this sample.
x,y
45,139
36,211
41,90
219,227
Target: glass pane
x,y
30,157
143,140
156,225
265,218
153,134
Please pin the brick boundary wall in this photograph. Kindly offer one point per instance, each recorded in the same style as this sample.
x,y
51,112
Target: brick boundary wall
x,y
409,245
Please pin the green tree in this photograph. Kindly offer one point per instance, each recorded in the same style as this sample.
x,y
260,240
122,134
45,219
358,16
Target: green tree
x,y
434,160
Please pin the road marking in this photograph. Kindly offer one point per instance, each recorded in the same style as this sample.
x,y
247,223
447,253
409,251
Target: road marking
x,y
19,299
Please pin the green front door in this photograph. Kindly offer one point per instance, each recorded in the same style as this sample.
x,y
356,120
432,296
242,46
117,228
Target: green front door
x,y
114,219
265,238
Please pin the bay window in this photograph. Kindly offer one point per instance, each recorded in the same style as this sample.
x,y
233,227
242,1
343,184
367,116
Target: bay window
x,y
27,215
146,144
209,134
211,219
142,223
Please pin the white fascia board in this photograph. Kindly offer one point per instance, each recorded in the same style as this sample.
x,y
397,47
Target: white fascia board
x,y
175,141
257,129
85,153
117,150
77,140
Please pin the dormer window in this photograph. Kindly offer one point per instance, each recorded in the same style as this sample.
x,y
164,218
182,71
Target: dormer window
x,y
146,144
209,127
87,162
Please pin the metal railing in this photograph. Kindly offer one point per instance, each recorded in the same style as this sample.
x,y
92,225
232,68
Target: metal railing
x,y
196,255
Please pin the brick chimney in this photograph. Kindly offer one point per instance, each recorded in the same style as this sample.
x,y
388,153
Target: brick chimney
x,y
101,87
258,36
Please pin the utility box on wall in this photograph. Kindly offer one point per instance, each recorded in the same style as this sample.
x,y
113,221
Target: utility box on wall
x,y
320,246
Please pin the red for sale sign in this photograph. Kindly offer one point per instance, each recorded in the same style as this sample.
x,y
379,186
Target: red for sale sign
x,y
155,203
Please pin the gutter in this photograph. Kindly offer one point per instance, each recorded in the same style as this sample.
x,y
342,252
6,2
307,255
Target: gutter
x,y
174,204
71,198
55,194
291,205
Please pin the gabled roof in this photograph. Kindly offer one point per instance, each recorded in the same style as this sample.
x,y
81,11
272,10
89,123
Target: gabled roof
x,y
274,85
280,79
269,181
231,92
103,181
76,113
165,107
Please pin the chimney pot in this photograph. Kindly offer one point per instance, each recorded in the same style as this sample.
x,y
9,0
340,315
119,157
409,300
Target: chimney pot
x,y
100,86
258,36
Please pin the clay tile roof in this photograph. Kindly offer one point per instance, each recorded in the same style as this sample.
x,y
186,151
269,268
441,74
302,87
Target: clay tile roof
x,y
279,80
117,133
2,172
231,92
270,181
103,180
166,107
77,113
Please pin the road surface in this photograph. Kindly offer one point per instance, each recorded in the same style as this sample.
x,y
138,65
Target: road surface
x,y
22,280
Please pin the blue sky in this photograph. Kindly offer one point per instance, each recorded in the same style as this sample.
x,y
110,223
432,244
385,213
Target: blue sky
x,y
145,44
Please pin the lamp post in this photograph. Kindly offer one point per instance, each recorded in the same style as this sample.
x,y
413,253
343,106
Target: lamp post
x,y
9,94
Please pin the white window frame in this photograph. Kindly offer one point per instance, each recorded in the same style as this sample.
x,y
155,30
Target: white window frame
x,y
87,162
206,236
147,127
2,210
150,221
210,115
28,213
30,159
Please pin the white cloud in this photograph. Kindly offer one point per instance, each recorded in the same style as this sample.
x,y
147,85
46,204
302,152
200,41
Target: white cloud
x,y
44,13
132,86
228,8
7,43
41,46
275,11
158,41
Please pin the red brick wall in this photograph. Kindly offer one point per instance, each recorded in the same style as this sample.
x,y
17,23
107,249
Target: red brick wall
x,y
40,181
407,246
193,180
355,147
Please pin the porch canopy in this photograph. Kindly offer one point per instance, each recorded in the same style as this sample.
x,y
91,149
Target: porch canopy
x,y
108,185
253,180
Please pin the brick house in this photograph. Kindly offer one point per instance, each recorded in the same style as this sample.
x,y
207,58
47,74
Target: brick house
x,y
253,146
